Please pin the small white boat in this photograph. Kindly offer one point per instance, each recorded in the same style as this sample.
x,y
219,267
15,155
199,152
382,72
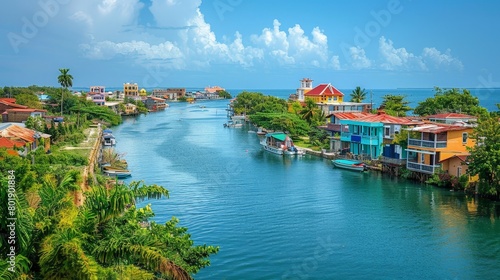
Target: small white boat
x,y
279,143
116,172
354,165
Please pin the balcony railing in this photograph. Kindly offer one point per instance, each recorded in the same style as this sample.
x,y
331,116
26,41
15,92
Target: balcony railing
x,y
427,144
346,135
424,168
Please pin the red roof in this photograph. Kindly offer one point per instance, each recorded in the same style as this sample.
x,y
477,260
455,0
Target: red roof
x,y
451,116
384,118
26,110
350,115
438,128
7,143
10,100
12,104
324,90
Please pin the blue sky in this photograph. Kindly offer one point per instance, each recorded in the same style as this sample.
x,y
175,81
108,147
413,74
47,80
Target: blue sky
x,y
252,44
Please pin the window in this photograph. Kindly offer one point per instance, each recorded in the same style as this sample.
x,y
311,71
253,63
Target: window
x,y
465,135
387,131
422,158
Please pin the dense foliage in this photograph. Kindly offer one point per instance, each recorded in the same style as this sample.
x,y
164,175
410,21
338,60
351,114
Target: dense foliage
x,y
106,238
395,105
485,156
451,101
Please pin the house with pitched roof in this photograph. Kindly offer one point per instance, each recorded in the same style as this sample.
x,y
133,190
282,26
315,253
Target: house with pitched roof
x,y
10,145
29,138
334,128
155,104
431,144
371,136
9,103
324,93
22,114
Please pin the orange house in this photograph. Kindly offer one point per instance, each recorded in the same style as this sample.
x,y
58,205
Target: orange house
x,y
430,145
457,166
325,93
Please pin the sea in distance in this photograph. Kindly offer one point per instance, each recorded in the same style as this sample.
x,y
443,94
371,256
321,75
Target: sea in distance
x,y
488,97
278,217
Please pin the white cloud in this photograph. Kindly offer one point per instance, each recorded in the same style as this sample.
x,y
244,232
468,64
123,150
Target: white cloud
x,y
398,58
335,62
359,59
441,60
174,13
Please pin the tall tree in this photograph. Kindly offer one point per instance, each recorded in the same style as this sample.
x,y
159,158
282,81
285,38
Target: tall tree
x,y
450,101
65,80
358,95
485,156
395,105
309,112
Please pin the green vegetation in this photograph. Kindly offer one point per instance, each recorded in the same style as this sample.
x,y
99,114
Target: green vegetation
x,y
395,105
451,101
485,156
66,80
277,114
224,94
358,95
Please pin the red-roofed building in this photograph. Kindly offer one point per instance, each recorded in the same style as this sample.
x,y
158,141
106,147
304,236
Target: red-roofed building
x,y
21,114
9,103
26,137
324,93
155,104
451,118
457,165
10,145
334,128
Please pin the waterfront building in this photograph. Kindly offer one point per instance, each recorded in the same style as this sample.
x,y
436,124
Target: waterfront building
x,y
213,89
372,136
431,144
131,91
306,85
130,109
334,128
154,103
169,93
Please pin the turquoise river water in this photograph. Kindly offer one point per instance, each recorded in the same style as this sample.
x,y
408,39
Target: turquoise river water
x,y
300,218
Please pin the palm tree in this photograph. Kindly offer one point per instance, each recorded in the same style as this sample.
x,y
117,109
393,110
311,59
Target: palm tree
x,y
309,111
358,95
66,80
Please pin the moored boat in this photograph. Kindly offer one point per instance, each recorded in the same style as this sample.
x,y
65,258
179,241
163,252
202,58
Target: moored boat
x,y
116,172
279,143
354,165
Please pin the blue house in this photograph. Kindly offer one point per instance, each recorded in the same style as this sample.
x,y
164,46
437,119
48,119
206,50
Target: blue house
x,y
372,136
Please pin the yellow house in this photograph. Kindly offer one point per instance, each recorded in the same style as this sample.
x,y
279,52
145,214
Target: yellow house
x,y
131,90
430,145
457,166
143,92
324,93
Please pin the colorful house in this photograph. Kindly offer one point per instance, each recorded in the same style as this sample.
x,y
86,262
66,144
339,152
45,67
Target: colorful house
x,y
131,91
334,128
324,93
155,104
371,136
429,145
98,99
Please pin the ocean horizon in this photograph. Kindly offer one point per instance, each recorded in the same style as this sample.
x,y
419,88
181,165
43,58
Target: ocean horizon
x,y
488,97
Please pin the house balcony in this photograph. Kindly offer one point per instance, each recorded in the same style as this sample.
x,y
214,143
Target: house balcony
x,y
427,144
423,168
394,161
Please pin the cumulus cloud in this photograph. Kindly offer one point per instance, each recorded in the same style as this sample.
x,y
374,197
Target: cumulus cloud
x,y
401,59
441,60
359,59
174,13
398,58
